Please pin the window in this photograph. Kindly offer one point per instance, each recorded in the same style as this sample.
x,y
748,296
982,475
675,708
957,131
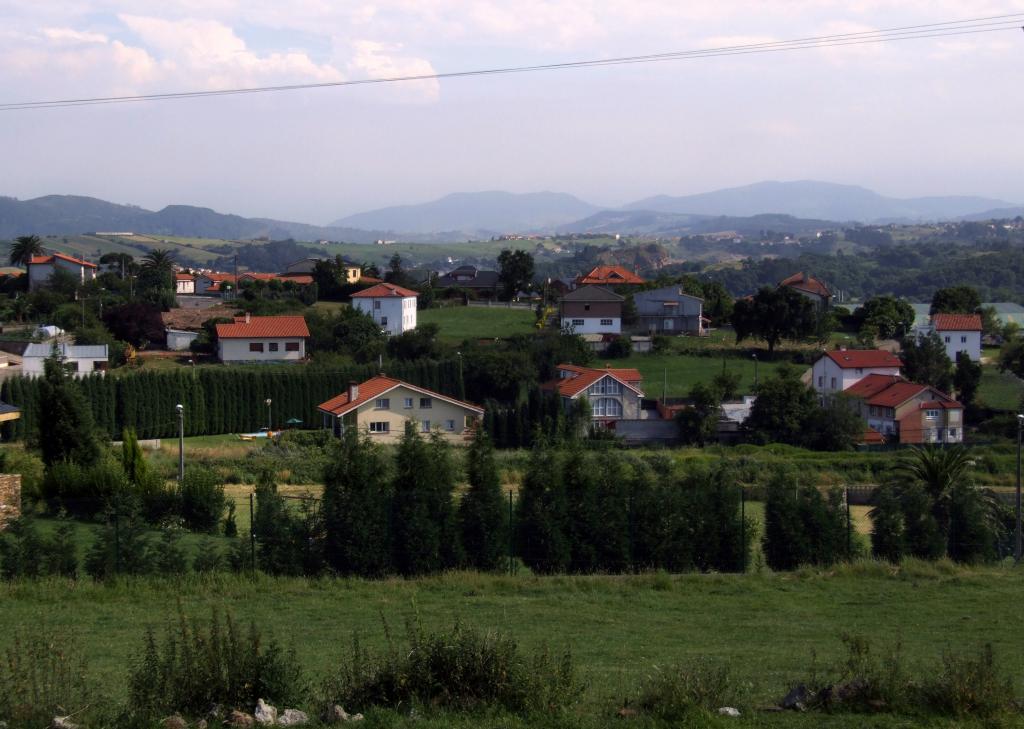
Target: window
x,y
376,305
383,321
605,386
874,410
426,403
382,427
821,380
586,307
833,383
963,339
383,403
952,432
667,324
947,339
255,346
449,425
606,407
407,403
606,322
425,426
291,346
577,322
273,346
860,371
931,413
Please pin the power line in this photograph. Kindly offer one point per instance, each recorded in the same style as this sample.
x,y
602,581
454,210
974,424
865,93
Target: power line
x,y
970,26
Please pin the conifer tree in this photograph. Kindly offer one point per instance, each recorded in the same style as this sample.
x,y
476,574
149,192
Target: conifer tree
x,y
274,527
541,540
66,432
416,542
887,530
483,524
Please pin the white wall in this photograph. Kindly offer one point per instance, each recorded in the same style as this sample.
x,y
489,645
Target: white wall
x,y
592,325
237,350
825,370
400,313
33,366
185,287
179,340
955,343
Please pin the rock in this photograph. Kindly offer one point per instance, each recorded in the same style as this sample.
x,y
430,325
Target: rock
x,y
337,715
293,717
728,711
796,699
265,713
240,720
63,722
174,721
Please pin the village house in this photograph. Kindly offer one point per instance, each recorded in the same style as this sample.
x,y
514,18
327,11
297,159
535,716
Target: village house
x,y
906,412
482,282
839,369
381,406
41,268
184,283
262,339
613,394
609,276
810,287
669,310
391,306
958,332
214,283
591,310
78,359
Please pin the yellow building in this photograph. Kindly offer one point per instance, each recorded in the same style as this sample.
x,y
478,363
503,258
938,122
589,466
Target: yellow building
x,y
382,406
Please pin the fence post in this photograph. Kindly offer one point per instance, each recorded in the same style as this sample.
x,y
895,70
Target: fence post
x,y
849,532
252,530
743,529
511,538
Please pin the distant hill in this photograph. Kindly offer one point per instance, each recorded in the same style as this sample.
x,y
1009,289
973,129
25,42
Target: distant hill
x,y
73,214
820,200
997,214
476,213
649,222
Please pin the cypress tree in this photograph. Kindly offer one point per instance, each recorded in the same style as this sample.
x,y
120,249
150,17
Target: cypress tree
x,y
887,532
541,541
67,432
483,523
417,536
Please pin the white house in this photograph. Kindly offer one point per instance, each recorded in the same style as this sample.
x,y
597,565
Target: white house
x,y
839,369
40,268
262,339
959,332
591,310
184,283
392,307
79,359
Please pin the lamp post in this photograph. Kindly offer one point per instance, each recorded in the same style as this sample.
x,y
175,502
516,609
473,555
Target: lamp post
x,y
181,441
269,420
754,356
1017,534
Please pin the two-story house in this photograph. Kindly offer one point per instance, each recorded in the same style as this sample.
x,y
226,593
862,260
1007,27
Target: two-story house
x,y
906,412
482,282
381,406
613,394
958,332
262,339
391,306
839,369
591,310
41,268
669,310
78,359
184,283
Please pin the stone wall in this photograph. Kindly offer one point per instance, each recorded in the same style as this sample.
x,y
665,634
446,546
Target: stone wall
x,y
10,497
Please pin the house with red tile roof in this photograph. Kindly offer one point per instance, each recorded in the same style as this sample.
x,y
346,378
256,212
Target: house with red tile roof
x,y
958,332
214,283
262,339
609,276
184,283
613,394
805,284
392,307
381,407
41,268
839,369
906,412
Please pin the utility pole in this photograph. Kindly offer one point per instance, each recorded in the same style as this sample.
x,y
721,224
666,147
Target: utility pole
x,y
270,421
1017,534
754,355
181,442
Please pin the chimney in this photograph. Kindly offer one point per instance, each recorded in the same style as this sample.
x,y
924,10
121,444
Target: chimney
x,y
248,317
353,391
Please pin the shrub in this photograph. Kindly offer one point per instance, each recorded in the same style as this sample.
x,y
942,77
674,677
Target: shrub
x,y
968,686
462,669
83,490
866,682
202,500
170,557
42,675
672,693
619,348
122,546
209,558
25,553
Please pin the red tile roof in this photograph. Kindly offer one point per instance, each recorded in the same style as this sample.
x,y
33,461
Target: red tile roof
x,y
182,276
804,282
941,405
872,385
38,260
609,276
299,278
897,394
374,388
863,358
262,327
384,291
872,437
957,322
587,376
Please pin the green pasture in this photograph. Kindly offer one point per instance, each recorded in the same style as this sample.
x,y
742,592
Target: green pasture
x,y
458,323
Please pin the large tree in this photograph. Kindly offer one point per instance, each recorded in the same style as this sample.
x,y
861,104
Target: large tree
x,y
515,271
774,314
24,248
66,429
956,300
483,523
966,379
925,361
891,317
782,410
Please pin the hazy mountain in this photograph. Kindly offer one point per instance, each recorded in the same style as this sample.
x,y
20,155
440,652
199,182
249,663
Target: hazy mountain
x,y
476,212
72,214
821,200
649,222
997,214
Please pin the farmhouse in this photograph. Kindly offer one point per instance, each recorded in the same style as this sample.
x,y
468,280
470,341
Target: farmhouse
x,y
78,359
381,406
613,394
391,306
262,339
669,310
806,285
839,369
906,412
591,310
958,332
41,268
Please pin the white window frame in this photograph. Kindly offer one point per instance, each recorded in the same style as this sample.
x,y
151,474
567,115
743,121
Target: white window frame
x,y
931,413
380,427
382,403
407,403
426,403
578,322
606,322
449,425
606,407
424,426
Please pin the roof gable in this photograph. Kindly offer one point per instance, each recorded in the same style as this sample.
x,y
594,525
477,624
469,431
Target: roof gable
x,y
610,276
863,358
583,377
262,327
384,291
802,281
380,385
42,260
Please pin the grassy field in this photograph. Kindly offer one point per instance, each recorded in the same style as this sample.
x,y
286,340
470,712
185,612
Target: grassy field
x,y
1000,390
677,373
772,631
476,322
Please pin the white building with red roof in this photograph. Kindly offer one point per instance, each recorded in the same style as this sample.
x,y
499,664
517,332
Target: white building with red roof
x,y
381,406
959,332
906,412
262,339
609,276
392,307
184,282
840,369
810,287
41,268
613,394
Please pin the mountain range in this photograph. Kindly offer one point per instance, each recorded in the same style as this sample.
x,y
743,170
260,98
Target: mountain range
x,y
792,206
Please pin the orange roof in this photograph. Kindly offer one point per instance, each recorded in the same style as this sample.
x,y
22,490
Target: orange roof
x,y
851,358
941,405
872,437
584,377
37,260
215,276
805,282
182,276
957,322
262,327
384,291
259,276
374,388
609,276
872,385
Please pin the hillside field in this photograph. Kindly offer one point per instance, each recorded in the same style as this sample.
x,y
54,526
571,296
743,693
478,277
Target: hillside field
x,y
477,322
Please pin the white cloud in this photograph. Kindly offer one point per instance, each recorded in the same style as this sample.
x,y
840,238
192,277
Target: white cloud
x,y
372,59
73,36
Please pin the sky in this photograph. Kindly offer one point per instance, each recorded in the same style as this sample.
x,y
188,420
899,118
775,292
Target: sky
x,y
920,117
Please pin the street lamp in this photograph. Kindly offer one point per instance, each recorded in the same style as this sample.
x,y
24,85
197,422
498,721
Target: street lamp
x,y
269,426
181,441
1017,533
754,355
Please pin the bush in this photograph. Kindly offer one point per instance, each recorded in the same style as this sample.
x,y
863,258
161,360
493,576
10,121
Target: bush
x,y
202,500
42,675
461,670
673,693
619,348
83,490
25,553
969,686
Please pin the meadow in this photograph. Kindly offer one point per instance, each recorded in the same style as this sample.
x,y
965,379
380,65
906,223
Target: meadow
x,y
458,323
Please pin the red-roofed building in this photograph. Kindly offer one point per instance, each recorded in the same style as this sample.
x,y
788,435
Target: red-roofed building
x,y
184,283
41,268
214,283
810,287
392,307
381,406
262,339
609,276
840,369
613,394
906,412
958,332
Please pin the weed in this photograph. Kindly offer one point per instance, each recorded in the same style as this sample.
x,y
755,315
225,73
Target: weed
x,y
968,686
41,676
676,692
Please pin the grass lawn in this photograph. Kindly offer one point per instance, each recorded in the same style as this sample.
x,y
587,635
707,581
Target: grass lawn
x,y
476,322
1000,390
681,371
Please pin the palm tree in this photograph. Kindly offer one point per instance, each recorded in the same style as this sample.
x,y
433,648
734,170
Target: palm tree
x,y
24,248
938,470
159,260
